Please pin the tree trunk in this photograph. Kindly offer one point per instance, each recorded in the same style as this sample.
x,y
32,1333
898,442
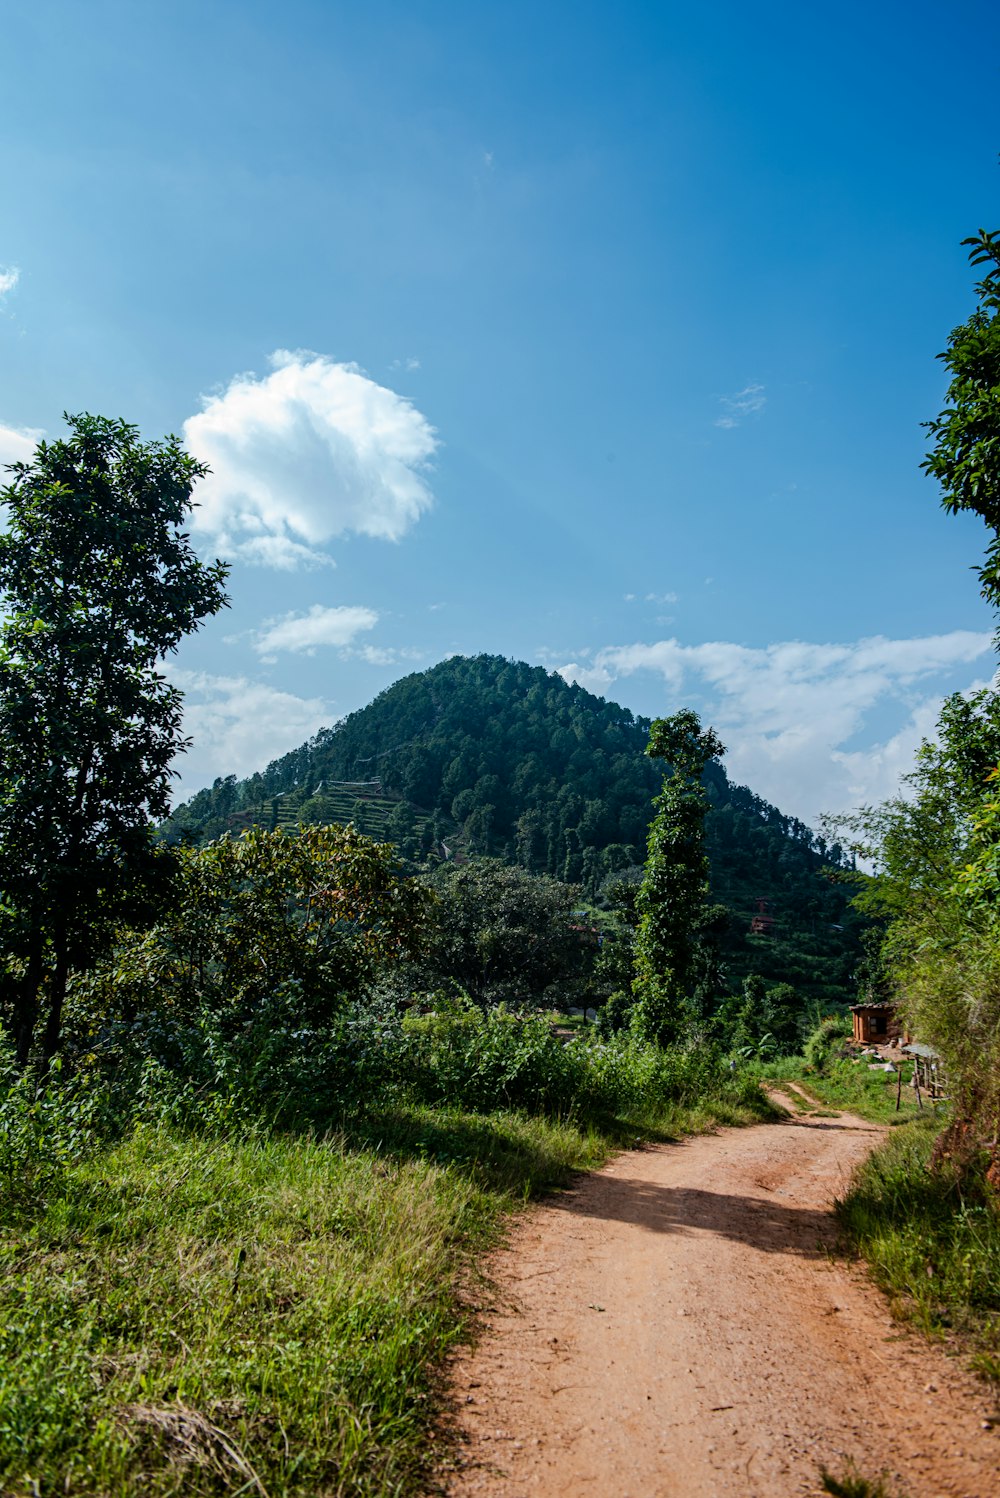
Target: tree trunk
x,y
26,1005
60,977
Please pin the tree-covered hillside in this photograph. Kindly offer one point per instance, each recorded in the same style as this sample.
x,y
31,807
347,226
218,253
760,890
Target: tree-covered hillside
x,y
482,755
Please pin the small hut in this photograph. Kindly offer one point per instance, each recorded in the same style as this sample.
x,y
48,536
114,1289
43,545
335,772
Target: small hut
x,y
875,1024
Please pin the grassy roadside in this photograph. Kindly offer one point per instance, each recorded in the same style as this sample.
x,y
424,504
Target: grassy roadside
x,y
931,1242
850,1086
182,1314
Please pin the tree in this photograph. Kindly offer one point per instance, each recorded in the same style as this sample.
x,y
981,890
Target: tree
x,y
502,933
936,851
673,899
965,458
292,925
98,583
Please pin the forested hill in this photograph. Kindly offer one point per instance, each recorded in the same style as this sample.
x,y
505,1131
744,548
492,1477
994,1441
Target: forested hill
x,y
485,755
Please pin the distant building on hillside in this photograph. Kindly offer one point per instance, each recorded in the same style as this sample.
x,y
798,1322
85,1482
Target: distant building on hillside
x,y
762,923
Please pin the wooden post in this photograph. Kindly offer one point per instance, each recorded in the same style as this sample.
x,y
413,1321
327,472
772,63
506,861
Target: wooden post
x,y
899,1085
916,1083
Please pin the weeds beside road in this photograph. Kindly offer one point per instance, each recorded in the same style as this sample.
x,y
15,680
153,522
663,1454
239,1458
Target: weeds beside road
x,y
196,1314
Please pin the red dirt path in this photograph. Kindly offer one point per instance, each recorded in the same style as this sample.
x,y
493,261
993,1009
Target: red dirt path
x,y
674,1327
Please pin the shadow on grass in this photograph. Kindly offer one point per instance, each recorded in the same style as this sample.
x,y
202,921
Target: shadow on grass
x,y
519,1153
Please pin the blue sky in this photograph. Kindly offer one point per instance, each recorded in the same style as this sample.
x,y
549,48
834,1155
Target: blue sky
x,y
595,336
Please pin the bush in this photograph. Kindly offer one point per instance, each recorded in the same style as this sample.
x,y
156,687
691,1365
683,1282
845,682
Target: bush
x,y
615,1015
826,1041
500,1059
43,1129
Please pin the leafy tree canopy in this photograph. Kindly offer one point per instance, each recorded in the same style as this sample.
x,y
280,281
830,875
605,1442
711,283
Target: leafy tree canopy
x,y
501,933
965,458
98,583
292,926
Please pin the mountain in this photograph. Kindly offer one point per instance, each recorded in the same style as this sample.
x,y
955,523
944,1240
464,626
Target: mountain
x,y
482,755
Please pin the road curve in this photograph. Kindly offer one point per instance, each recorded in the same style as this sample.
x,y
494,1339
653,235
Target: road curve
x,y
675,1327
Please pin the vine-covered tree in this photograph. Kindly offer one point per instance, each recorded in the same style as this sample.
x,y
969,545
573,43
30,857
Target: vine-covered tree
x,y
673,899
98,583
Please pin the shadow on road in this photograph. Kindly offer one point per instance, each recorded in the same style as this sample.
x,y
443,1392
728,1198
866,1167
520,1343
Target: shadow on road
x,y
763,1224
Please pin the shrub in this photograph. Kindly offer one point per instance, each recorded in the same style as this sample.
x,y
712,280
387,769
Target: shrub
x,y
826,1040
43,1129
500,1059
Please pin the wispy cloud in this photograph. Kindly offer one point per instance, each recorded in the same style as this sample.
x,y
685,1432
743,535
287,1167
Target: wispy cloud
x,y
309,452
239,725
735,408
17,444
791,712
9,277
304,633
384,655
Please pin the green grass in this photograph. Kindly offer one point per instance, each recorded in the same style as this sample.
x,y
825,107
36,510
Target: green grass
x,y
851,1484
188,1315
931,1241
851,1086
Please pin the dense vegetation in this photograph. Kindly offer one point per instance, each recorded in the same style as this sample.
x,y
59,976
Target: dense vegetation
x,y
236,1218
937,849
485,756
923,1210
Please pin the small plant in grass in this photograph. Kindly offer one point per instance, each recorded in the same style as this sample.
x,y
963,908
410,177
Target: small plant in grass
x,y
851,1484
42,1128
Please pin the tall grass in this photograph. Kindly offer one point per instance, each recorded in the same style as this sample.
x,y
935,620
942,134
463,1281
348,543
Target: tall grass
x,y
230,1309
496,1059
199,1315
932,1241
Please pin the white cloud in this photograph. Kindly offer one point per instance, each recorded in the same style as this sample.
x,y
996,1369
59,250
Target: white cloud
x,y
746,402
311,451
319,626
790,712
384,655
238,726
17,444
9,277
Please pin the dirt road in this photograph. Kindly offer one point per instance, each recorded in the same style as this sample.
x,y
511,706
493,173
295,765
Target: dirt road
x,y
675,1328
